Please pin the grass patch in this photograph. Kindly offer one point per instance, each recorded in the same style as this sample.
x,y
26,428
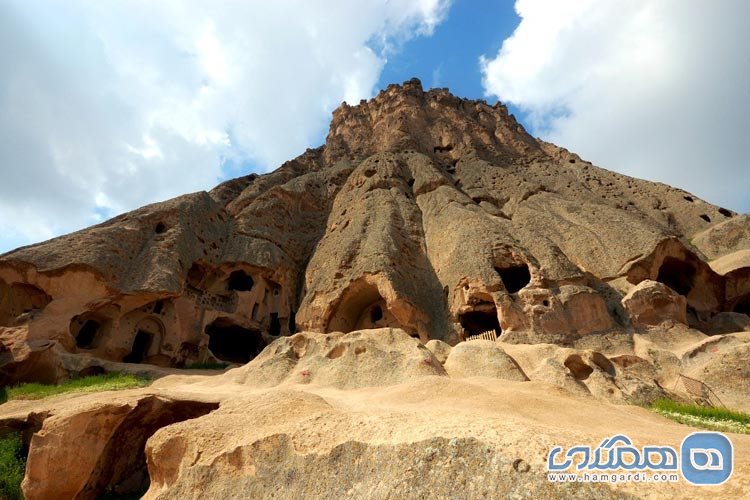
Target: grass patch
x,y
706,417
12,466
207,366
94,383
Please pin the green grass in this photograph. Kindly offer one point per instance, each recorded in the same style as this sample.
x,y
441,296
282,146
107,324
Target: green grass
x,y
206,366
12,467
106,382
706,417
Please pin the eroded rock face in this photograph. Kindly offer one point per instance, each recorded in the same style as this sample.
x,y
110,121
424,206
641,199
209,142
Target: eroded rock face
x,y
423,211
652,303
86,452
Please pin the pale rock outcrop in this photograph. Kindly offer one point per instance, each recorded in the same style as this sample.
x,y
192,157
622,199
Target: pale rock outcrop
x,y
652,303
482,358
439,349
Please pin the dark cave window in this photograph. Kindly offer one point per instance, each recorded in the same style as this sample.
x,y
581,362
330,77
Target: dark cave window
x,y
677,275
476,322
87,334
160,228
292,322
376,314
515,277
141,345
743,306
689,198
240,281
275,327
725,212
705,217
158,307
233,343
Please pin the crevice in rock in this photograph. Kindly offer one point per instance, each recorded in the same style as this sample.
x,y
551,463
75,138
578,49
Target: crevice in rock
x,y
121,471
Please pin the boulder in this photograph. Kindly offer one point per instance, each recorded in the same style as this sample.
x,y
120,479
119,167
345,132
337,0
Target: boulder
x,y
482,358
652,303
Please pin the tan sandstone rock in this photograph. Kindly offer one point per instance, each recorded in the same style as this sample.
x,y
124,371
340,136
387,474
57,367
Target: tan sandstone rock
x,y
651,303
482,358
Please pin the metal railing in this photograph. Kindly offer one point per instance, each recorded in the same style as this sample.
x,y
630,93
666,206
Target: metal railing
x,y
700,391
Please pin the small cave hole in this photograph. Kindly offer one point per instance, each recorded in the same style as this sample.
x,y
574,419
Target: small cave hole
x,y
160,228
141,345
476,322
233,343
158,307
410,182
442,149
376,313
514,277
705,217
677,275
689,198
578,368
545,303
725,212
85,339
240,281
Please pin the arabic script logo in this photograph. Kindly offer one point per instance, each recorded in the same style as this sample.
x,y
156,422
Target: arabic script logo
x,y
615,453
706,458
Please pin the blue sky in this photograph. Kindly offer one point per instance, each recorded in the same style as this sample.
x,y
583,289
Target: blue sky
x,y
106,106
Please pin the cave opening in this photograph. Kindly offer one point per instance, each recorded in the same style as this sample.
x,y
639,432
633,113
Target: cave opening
x,y
141,345
158,307
240,281
677,275
514,277
292,322
86,337
743,306
376,313
196,276
275,326
478,322
232,343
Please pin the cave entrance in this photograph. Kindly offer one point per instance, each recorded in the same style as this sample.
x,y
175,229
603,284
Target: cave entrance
x,y
233,343
240,281
362,307
480,321
86,337
514,277
743,306
141,345
275,327
677,275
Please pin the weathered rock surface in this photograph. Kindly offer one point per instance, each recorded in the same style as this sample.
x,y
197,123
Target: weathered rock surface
x,y
423,211
652,303
482,358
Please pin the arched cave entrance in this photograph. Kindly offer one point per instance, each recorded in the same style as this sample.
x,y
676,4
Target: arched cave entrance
x,y
18,299
514,277
275,326
677,275
141,345
362,307
240,281
480,320
233,343
86,337
89,329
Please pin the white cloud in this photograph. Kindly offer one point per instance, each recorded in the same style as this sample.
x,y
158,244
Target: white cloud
x,y
658,89
106,106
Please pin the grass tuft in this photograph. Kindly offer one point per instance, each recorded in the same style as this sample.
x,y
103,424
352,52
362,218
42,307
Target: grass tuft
x,y
94,383
12,467
706,417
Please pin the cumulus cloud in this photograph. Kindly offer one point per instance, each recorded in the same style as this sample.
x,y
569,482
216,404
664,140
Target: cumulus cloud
x,y
655,89
106,106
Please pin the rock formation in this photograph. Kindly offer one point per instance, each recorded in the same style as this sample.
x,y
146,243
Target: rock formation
x,y
423,211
